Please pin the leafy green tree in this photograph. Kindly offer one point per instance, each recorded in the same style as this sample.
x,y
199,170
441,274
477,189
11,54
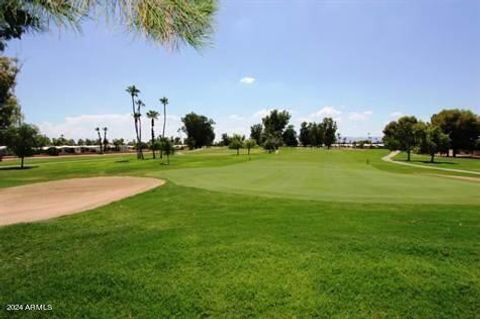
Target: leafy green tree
x,y
10,113
80,142
237,142
167,147
118,142
329,131
225,141
153,115
289,136
305,134
167,22
275,122
256,133
272,143
402,134
250,144
22,141
462,126
316,132
199,130
432,140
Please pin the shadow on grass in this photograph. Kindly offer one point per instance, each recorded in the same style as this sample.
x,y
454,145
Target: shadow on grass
x,y
16,168
122,161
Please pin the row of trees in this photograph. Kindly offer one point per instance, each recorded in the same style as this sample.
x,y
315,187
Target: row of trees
x,y
162,143
318,134
454,129
275,131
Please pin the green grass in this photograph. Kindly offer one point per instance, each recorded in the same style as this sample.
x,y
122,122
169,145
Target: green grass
x,y
210,244
465,163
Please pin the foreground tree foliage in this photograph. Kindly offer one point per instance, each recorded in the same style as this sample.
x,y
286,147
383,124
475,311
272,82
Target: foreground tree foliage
x,y
199,130
10,113
166,22
22,141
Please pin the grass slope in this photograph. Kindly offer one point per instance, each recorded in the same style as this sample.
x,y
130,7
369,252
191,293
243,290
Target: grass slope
x,y
186,252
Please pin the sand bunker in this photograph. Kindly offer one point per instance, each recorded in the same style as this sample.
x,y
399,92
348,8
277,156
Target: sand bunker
x,y
52,199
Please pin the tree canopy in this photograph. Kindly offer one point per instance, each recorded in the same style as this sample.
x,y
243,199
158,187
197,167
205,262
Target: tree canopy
x,y
22,140
199,130
401,134
462,126
9,108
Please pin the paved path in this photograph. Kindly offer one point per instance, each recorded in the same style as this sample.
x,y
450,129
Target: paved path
x,y
389,158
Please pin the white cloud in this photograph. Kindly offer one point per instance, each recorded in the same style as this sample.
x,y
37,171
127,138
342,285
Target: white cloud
x,y
119,126
327,111
261,113
359,116
396,114
235,117
247,80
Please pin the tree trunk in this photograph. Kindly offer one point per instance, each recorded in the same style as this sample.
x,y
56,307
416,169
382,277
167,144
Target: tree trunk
x,y
408,156
140,137
454,152
136,127
238,151
164,124
22,161
168,159
153,139
432,157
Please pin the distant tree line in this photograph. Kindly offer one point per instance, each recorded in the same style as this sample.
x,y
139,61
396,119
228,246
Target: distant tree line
x,y
275,131
450,129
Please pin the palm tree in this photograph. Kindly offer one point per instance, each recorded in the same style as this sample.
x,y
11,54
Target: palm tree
x,y
164,101
133,91
138,118
153,115
99,139
166,22
105,141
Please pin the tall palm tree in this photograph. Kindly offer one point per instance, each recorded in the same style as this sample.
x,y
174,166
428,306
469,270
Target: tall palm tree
x,y
153,115
164,101
105,141
99,139
138,117
133,91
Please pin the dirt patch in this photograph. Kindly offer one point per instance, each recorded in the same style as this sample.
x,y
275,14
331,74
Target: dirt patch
x,y
52,199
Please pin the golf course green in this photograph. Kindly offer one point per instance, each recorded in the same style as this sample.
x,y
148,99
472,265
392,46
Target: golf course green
x,y
302,233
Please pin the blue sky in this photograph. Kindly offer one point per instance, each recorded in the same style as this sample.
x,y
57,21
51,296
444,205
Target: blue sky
x,y
362,62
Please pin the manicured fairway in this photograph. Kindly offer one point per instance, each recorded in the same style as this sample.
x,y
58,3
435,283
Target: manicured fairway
x,y
340,234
